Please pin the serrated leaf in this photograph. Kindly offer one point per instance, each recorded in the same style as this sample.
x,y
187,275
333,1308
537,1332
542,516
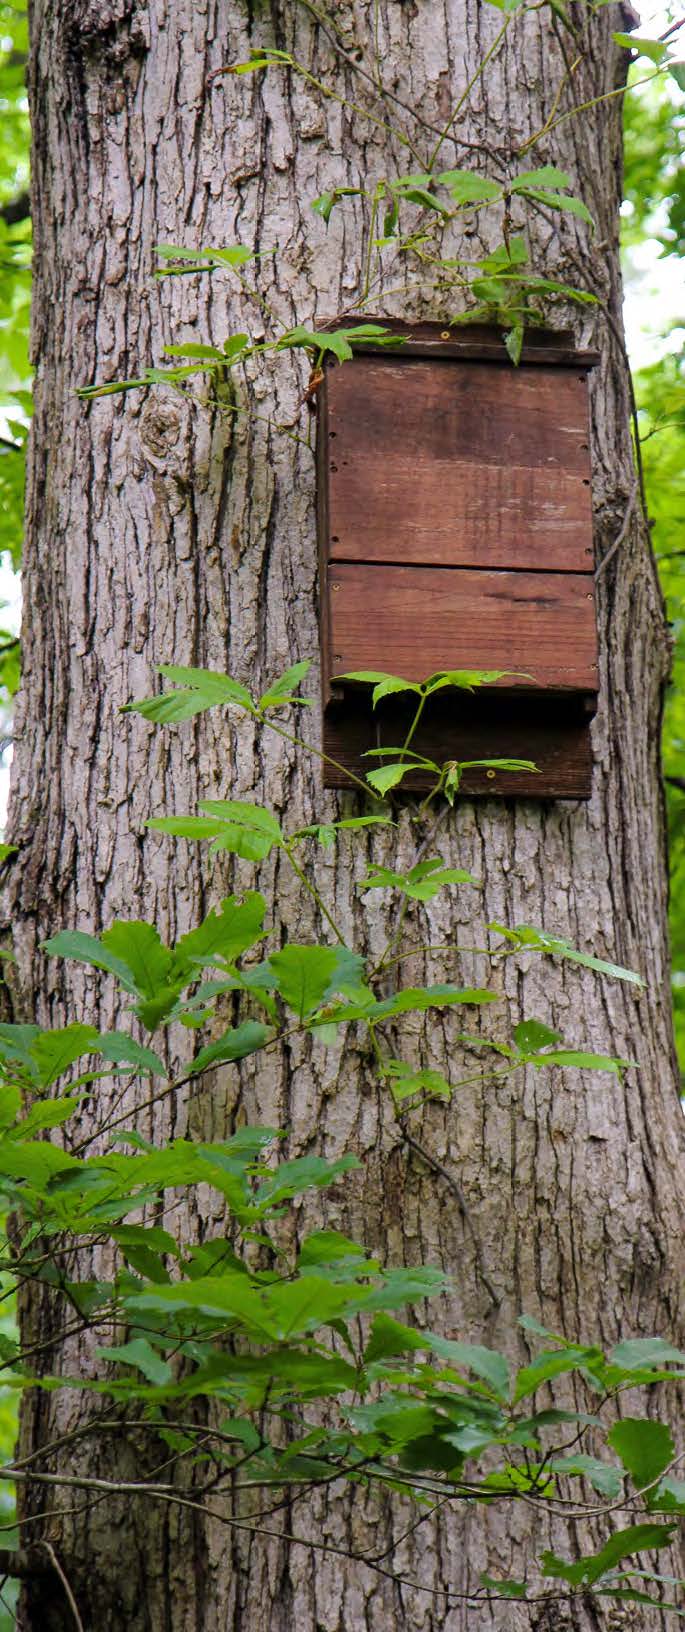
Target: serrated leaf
x,y
389,1338
280,690
236,1044
139,1353
387,776
468,188
121,1049
412,999
559,201
488,1364
84,948
635,1539
237,926
551,1364
645,1448
200,689
139,947
531,1035
303,975
504,1589
545,176
640,1353
55,1051
603,1478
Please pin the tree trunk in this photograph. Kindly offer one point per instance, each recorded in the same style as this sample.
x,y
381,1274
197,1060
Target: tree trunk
x,y
162,527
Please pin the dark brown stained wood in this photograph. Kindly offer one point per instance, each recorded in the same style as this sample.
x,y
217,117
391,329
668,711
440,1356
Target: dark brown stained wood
x,y
479,465
414,621
474,340
555,736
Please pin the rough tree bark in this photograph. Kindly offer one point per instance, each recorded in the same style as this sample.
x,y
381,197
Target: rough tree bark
x,y
162,527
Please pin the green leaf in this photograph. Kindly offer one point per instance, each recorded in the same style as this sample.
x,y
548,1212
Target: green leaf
x,y
139,947
635,1539
553,1363
645,1448
412,999
246,830
546,176
531,1035
235,1044
669,1497
389,1338
123,1050
537,940
55,1051
385,685
237,926
513,341
281,691
504,1589
326,202
588,1062
489,1364
83,948
468,188
201,689
303,976
406,1082
388,776
640,1353
656,50
421,883
603,1478
328,1247
139,1353
559,201
193,349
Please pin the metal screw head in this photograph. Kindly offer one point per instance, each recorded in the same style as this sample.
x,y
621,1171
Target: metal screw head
x,y
445,334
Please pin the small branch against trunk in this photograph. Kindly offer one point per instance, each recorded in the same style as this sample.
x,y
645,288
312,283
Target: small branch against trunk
x,y
436,1166
78,1623
621,532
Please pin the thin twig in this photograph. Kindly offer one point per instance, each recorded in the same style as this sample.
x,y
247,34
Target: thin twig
x,y
621,532
437,1167
78,1623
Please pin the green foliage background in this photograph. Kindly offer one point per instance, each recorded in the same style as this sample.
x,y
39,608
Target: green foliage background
x,y
655,209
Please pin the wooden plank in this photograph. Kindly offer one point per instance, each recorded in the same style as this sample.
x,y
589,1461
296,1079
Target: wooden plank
x,y
473,340
555,738
474,465
414,621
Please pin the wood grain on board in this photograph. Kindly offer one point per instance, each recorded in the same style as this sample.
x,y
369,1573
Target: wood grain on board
x,y
468,464
413,621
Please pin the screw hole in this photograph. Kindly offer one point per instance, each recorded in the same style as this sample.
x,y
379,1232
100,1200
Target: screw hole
x,y
490,775
445,334
586,481
335,539
332,433
334,468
